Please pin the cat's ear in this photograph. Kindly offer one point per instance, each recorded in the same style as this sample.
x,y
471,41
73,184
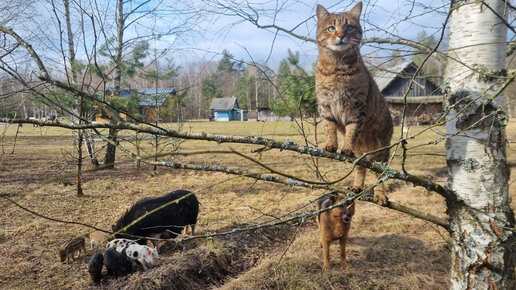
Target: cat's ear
x,y
321,12
356,10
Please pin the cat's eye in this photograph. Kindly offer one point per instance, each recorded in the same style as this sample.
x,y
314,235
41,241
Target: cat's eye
x,y
331,29
350,28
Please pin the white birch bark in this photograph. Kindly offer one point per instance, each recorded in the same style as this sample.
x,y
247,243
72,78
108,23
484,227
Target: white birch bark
x,y
482,250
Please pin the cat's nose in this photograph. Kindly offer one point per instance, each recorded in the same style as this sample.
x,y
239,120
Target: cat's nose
x,y
340,34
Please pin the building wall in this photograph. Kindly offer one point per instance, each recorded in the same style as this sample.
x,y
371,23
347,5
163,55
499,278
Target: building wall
x,y
149,114
421,87
416,114
233,115
220,116
102,118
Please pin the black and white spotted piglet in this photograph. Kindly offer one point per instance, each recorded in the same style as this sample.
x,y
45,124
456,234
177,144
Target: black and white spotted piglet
x,y
146,256
119,244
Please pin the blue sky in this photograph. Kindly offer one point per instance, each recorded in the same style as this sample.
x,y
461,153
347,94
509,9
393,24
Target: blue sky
x,y
381,18
216,32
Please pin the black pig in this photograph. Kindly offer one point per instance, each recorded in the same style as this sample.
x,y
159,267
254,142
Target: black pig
x,y
117,264
165,223
95,267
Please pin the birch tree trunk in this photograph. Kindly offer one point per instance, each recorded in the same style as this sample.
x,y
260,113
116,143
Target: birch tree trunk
x,y
71,57
482,245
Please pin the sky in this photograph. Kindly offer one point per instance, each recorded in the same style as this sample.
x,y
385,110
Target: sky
x,y
204,39
381,18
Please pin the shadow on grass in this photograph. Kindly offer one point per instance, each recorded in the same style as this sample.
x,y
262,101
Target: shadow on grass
x,y
396,260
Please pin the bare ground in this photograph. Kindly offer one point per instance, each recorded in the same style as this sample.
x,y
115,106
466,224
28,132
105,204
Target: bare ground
x,y
386,250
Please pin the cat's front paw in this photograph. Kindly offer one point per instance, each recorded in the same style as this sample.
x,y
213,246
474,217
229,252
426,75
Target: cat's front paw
x,y
348,152
330,147
380,198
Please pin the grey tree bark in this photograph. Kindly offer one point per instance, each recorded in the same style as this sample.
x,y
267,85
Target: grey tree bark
x,y
71,58
481,219
110,157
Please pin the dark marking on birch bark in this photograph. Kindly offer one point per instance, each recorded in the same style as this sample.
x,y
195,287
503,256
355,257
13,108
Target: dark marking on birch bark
x,y
464,236
457,266
499,140
470,280
489,280
495,229
488,154
489,252
489,208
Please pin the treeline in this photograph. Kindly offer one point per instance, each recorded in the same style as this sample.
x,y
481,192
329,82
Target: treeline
x,y
288,90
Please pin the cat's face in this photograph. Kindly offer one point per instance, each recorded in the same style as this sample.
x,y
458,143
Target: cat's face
x,y
339,32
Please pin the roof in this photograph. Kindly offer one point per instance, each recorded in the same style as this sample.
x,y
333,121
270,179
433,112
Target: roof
x,y
385,77
224,104
148,96
124,93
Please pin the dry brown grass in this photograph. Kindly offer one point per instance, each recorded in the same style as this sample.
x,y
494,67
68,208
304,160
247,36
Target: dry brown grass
x,y
386,250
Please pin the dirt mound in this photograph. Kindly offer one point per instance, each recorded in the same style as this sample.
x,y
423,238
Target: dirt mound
x,y
208,263
198,268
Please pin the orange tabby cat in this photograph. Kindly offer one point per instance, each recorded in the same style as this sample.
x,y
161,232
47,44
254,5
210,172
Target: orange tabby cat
x,y
349,99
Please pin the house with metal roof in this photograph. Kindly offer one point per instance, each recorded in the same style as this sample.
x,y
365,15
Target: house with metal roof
x,y
424,99
150,102
227,109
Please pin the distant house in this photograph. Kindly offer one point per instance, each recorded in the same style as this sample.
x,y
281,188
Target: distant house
x,y
424,100
227,109
252,115
151,100
101,116
266,114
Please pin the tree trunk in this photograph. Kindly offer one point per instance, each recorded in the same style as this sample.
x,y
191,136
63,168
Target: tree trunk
x,y
71,57
256,92
90,148
110,157
482,245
